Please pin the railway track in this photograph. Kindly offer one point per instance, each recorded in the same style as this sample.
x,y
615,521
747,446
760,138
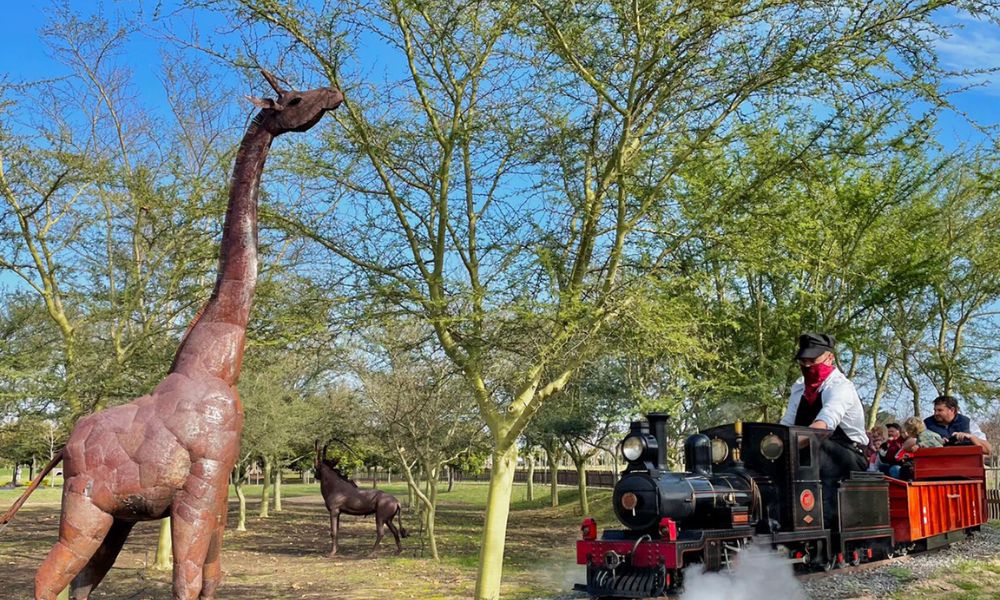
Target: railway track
x,y
855,569
804,577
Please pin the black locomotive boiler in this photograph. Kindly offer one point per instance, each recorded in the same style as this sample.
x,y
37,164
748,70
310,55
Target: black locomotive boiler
x,y
755,483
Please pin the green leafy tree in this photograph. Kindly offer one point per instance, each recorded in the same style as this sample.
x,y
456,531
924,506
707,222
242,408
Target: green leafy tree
x,y
591,111
426,413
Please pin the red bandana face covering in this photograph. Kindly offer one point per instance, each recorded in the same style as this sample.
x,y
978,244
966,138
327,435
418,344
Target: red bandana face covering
x,y
814,376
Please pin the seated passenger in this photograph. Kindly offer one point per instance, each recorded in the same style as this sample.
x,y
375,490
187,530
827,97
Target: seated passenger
x,y
917,436
876,437
955,428
890,448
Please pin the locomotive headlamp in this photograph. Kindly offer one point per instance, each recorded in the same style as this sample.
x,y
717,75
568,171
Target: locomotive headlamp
x,y
720,450
633,447
771,447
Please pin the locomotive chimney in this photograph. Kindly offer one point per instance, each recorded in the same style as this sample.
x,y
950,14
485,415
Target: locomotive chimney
x,y
658,423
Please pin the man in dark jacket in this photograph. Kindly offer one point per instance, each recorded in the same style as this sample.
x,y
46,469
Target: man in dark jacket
x,y
954,427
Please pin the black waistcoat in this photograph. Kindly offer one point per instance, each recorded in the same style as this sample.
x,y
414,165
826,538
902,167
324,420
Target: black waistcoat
x,y
807,413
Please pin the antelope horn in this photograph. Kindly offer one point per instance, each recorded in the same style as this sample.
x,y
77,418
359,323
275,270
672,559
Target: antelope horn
x,y
273,81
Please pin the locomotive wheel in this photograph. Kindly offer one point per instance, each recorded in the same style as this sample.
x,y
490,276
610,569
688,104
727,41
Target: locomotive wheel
x,y
855,558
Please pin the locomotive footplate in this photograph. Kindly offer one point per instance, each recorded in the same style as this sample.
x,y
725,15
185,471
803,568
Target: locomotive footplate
x,y
625,582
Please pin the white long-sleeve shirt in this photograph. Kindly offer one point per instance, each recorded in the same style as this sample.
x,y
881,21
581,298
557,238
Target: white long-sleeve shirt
x,y
975,430
841,406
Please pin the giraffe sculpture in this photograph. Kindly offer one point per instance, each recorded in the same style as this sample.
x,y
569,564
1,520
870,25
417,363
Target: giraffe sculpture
x,y
170,453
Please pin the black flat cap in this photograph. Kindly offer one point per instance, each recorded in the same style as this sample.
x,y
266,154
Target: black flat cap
x,y
812,345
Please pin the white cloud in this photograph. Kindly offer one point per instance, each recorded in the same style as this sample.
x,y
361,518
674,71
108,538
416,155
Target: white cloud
x,y
973,45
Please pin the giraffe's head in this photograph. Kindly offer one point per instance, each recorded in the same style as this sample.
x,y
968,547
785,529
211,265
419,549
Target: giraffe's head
x,y
294,111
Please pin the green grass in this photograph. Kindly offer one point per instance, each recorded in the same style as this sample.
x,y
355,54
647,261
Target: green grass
x,y
44,493
284,556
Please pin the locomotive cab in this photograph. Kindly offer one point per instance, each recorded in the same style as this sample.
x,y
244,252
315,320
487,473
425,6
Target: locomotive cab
x,y
785,463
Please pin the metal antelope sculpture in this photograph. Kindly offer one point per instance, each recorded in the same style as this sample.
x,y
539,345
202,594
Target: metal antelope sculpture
x,y
343,496
170,453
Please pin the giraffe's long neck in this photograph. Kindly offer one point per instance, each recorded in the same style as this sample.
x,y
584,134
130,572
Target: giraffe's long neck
x,y
213,344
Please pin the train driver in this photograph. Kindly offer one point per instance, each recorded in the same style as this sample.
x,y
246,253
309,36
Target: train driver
x,y
824,398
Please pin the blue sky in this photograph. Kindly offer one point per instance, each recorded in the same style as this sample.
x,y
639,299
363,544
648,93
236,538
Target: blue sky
x,y
975,46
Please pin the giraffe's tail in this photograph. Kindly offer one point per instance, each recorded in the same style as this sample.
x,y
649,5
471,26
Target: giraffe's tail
x,y
9,515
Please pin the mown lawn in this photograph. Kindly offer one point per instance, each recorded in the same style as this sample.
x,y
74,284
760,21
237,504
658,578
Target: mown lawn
x,y
284,556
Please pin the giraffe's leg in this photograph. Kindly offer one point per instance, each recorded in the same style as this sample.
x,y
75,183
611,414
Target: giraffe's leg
x,y
212,573
195,517
81,531
100,563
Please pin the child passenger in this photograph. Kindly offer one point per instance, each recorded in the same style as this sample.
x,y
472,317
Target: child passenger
x,y
876,437
917,436
887,453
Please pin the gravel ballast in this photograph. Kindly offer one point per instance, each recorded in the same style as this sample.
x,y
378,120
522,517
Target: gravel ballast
x,y
882,581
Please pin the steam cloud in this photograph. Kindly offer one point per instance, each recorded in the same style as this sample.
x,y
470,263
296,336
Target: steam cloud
x,y
757,570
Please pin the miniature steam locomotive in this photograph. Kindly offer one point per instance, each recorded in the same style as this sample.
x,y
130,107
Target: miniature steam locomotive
x,y
758,483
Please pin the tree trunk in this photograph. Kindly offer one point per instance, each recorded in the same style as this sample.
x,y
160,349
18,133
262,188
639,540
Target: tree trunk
x,y
451,477
17,474
52,473
495,528
31,469
581,474
164,560
265,493
882,381
531,476
431,513
553,477
911,383
277,490
241,525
